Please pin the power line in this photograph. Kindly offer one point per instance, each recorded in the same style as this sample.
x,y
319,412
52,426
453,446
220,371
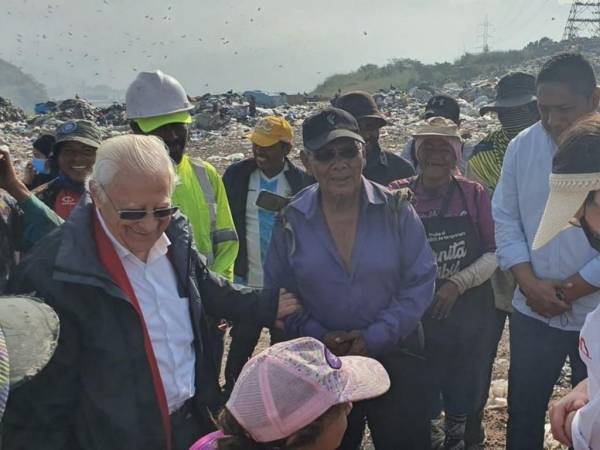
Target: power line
x,y
584,16
485,35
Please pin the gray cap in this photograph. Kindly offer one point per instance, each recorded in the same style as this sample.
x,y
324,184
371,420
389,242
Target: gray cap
x,y
29,332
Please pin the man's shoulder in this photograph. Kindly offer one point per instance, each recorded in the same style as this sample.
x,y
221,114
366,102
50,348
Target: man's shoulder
x,y
535,134
200,163
236,169
302,201
46,189
36,268
396,158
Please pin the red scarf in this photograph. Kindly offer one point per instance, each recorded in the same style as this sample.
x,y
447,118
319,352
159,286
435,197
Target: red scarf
x,y
112,263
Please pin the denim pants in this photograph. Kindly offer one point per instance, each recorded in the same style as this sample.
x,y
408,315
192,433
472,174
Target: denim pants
x,y
537,355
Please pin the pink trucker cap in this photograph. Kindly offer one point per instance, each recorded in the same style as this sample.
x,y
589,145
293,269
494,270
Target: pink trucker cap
x,y
289,385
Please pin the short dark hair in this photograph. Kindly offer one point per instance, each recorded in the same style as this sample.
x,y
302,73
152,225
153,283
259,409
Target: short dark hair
x,y
571,69
237,438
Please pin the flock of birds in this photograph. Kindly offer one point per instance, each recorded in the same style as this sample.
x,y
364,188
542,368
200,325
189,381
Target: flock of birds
x,y
75,50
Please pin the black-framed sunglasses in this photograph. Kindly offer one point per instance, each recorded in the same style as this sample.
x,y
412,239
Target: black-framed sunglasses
x,y
330,154
140,214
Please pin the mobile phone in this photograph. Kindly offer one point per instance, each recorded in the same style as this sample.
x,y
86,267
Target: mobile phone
x,y
271,202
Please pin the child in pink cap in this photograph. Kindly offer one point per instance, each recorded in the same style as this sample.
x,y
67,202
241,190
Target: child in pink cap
x,y
295,396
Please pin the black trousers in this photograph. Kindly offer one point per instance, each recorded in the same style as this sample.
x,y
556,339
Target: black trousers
x,y
475,432
244,338
187,426
399,419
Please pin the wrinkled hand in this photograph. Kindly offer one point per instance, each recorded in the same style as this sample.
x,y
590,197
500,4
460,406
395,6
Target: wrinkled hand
x,y
359,345
338,342
288,305
444,300
343,343
543,297
561,415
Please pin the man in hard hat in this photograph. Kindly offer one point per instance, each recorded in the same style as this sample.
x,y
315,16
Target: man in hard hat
x,y
157,104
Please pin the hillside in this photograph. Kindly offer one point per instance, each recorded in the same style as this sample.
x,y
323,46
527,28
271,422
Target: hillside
x,y
407,73
21,89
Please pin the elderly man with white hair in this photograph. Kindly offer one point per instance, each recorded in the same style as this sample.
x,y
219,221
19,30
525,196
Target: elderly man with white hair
x,y
132,369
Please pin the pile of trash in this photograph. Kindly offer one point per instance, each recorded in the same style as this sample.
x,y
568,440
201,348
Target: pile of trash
x,y
9,112
78,109
221,122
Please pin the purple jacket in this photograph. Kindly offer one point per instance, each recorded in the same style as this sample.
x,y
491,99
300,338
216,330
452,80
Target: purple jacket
x,y
393,270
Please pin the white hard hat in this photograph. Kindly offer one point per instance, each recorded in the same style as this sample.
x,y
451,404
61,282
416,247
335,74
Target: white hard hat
x,y
155,94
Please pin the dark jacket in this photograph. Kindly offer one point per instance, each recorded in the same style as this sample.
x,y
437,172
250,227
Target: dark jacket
x,y
236,179
21,225
41,178
48,192
384,167
97,391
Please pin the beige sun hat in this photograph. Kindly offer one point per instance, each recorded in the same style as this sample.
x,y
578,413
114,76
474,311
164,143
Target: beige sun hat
x,y
567,194
575,173
437,126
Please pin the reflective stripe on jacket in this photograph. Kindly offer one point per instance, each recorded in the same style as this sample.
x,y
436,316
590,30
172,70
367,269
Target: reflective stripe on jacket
x,y
201,196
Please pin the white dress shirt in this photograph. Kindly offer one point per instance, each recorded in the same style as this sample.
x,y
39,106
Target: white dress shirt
x,y
166,315
517,206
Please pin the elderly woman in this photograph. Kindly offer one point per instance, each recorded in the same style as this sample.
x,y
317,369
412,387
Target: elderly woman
x,y
458,221
132,369
575,199
358,259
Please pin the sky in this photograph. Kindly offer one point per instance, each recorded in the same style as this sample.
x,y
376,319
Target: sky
x,y
274,45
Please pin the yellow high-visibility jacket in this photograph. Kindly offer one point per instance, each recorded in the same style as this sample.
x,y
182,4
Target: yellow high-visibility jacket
x,y
201,196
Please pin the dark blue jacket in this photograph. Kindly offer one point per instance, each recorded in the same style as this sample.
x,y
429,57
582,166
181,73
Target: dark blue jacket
x,y
236,179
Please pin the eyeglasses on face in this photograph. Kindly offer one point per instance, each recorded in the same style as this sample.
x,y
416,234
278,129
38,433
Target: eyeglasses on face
x,y
327,155
140,214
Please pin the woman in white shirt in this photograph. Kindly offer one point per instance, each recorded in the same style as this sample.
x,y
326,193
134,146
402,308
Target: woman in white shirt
x,y
575,200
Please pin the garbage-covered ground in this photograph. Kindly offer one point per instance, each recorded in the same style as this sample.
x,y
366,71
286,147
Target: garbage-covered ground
x,y
217,135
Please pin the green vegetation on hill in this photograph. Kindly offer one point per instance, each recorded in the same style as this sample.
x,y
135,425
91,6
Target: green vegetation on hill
x,y
21,89
406,73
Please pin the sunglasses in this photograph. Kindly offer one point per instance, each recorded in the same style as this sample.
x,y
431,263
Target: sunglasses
x,y
140,214
330,154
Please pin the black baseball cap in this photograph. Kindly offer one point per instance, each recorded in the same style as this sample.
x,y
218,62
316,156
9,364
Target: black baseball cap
x,y
82,131
442,105
513,89
329,125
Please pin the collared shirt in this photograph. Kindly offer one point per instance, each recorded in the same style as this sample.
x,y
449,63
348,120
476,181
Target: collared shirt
x,y
391,282
166,315
259,222
518,204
